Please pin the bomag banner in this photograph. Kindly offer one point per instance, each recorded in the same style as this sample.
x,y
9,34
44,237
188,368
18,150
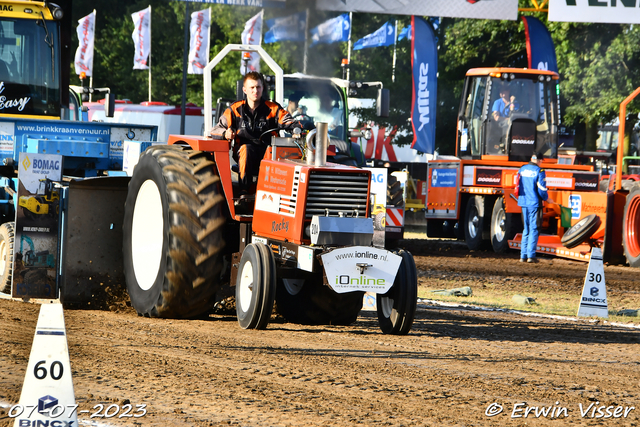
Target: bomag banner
x,y
478,9
605,11
35,248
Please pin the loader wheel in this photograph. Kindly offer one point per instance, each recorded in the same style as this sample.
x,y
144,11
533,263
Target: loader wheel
x,y
474,222
379,221
397,308
580,231
255,287
172,233
306,300
7,238
631,227
502,226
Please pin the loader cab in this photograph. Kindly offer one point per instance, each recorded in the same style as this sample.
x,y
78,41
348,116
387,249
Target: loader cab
x,y
508,114
32,74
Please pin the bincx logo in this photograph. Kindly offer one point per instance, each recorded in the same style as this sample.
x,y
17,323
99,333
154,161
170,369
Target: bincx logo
x,y
45,403
594,291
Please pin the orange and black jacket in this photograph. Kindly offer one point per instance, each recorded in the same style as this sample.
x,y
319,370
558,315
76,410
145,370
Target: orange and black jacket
x,y
250,126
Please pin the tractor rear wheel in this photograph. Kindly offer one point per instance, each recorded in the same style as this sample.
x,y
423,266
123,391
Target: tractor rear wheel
x,y
7,238
172,233
255,286
631,227
397,308
306,300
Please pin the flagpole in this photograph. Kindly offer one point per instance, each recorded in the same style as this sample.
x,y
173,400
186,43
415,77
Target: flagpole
x,y
395,42
185,61
149,53
306,43
349,45
95,19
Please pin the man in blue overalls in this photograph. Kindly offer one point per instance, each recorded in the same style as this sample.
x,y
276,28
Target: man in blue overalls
x,y
532,190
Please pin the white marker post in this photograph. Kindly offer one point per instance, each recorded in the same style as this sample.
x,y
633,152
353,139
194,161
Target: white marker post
x,y
594,293
47,393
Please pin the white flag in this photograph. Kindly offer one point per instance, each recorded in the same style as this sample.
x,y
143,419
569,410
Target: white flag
x,y
199,44
141,38
86,35
252,34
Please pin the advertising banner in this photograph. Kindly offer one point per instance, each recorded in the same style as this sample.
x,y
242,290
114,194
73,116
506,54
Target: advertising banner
x,y
332,31
541,52
250,3
613,12
35,258
141,38
424,63
478,9
252,34
199,43
383,36
86,35
287,28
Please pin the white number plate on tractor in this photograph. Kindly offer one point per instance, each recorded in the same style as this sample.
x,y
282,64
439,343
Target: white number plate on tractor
x,y
360,268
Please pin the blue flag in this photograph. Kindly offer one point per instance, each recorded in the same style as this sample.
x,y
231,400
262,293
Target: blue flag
x,y
405,32
424,63
286,28
333,30
540,49
383,36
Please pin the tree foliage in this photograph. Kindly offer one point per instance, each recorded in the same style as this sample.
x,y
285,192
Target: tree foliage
x,y
598,63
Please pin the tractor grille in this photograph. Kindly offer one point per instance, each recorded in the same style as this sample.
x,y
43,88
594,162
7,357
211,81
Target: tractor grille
x,y
338,194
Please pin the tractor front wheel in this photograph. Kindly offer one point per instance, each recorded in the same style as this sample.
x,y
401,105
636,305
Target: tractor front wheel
x,y
397,308
255,286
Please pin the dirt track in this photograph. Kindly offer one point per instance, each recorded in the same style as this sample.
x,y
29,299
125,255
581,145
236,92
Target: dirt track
x,y
447,371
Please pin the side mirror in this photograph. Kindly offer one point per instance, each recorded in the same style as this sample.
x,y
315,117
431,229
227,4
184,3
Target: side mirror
x,y
109,104
382,103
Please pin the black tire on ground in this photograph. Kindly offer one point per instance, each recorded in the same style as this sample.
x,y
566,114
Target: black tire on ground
x,y
172,233
397,308
502,226
474,222
301,297
7,238
255,287
581,231
631,227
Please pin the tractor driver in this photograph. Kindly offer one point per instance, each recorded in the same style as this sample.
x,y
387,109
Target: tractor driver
x,y
505,105
247,122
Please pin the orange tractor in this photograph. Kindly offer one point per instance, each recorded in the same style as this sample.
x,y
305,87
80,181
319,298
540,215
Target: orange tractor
x,y
470,195
306,245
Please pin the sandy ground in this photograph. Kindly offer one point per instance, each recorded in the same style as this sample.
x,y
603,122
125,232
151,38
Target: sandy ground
x,y
456,367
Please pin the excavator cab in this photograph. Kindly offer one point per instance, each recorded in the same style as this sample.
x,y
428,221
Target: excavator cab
x,y
508,114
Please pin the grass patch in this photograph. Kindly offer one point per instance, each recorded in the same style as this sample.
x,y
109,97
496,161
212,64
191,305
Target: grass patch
x,y
546,301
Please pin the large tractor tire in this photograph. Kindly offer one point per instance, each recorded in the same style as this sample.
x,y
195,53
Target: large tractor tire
x,y
255,286
397,308
631,227
172,233
474,222
7,238
502,226
581,231
394,191
306,300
